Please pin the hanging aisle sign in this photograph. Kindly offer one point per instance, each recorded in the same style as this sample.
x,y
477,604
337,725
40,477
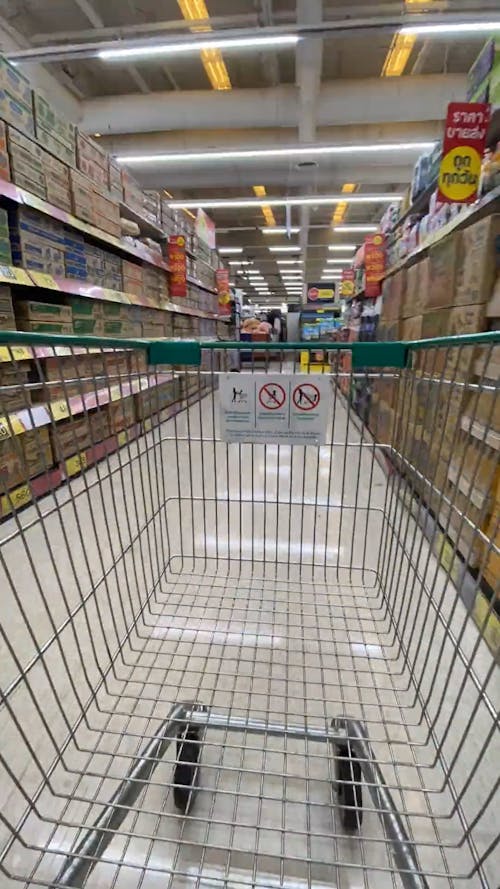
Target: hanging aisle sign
x,y
374,264
347,283
223,291
463,148
178,266
205,229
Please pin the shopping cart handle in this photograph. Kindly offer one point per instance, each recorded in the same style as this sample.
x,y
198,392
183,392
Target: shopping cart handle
x,y
354,732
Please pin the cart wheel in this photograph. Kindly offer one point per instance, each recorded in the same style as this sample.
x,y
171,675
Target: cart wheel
x,y
348,772
187,768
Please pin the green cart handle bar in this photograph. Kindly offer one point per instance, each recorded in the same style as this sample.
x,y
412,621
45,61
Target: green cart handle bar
x,y
188,352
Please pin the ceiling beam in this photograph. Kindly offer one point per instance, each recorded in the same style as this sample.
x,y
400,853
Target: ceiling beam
x,y
339,103
97,22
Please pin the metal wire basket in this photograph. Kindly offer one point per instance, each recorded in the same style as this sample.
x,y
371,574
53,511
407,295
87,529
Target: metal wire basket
x,y
239,664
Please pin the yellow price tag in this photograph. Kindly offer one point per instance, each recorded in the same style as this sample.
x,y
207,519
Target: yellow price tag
x,y
447,555
43,280
11,275
15,428
76,463
115,393
15,353
59,409
148,425
15,499
122,438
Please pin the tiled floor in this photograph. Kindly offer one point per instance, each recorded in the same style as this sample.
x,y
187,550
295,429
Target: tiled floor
x,y
259,582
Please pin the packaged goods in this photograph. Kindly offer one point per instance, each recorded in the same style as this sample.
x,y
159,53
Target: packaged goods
x,y
16,113
39,311
23,457
88,326
43,326
479,261
49,121
443,258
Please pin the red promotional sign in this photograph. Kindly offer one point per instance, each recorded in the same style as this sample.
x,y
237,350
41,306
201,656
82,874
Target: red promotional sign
x,y
374,264
463,148
347,282
178,267
223,291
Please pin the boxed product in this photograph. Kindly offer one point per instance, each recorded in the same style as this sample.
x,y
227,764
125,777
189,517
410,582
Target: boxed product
x,y
39,311
48,120
88,326
23,457
114,311
14,82
115,179
152,400
458,361
26,162
99,424
122,414
81,196
132,191
115,328
57,182
4,153
411,328
153,331
61,150
394,289
106,212
70,437
5,249
16,113
480,261
43,326
416,291
444,257
85,308
13,375
92,160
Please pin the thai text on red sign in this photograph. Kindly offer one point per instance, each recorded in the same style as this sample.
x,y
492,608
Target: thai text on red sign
x,y
464,142
178,266
374,264
223,291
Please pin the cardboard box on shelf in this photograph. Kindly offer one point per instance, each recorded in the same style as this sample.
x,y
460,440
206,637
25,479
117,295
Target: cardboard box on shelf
x,y
88,326
70,437
121,414
394,289
23,457
132,271
55,146
4,153
443,258
39,311
83,307
156,398
49,120
112,311
81,196
43,326
115,179
411,328
16,113
479,261
100,427
417,289
153,331
14,82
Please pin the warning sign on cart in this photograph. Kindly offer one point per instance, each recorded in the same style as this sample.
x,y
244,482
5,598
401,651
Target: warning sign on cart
x,y
274,409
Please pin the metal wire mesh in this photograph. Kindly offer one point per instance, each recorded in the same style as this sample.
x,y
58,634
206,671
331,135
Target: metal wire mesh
x,y
282,585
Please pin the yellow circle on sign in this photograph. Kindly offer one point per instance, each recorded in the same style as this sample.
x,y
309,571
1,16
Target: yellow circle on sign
x,y
459,173
347,288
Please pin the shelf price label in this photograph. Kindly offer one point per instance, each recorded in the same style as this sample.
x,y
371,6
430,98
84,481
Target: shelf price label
x,y
43,280
15,353
59,409
9,274
15,427
76,463
463,148
15,499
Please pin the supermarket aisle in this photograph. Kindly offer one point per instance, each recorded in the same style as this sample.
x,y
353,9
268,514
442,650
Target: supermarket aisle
x,y
245,578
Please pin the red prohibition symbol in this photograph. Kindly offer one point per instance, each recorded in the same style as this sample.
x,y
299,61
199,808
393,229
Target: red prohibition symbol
x,y
306,397
272,396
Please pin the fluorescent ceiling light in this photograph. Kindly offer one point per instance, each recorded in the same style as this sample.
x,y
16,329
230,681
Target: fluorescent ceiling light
x,y
345,261
339,248
193,46
355,228
299,201
240,262
280,230
452,28
191,157
289,262
288,249
229,250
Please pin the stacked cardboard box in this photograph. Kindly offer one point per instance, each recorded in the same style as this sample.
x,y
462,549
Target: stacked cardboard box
x,y
5,249
92,160
75,258
24,456
152,207
446,426
81,196
14,399
103,268
155,285
157,398
106,212
53,132
7,319
4,153
57,182
26,163
115,179
16,102
37,241
133,195
43,317
132,277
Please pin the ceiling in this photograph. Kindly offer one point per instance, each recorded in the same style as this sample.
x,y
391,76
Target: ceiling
x,y
331,88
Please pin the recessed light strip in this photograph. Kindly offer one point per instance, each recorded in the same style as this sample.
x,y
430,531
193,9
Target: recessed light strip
x,y
183,47
299,201
203,157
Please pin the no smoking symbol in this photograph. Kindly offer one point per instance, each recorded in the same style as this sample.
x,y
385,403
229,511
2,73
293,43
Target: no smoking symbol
x,y
306,397
272,396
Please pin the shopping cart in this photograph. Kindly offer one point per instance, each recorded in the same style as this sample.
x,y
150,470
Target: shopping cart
x,y
248,664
